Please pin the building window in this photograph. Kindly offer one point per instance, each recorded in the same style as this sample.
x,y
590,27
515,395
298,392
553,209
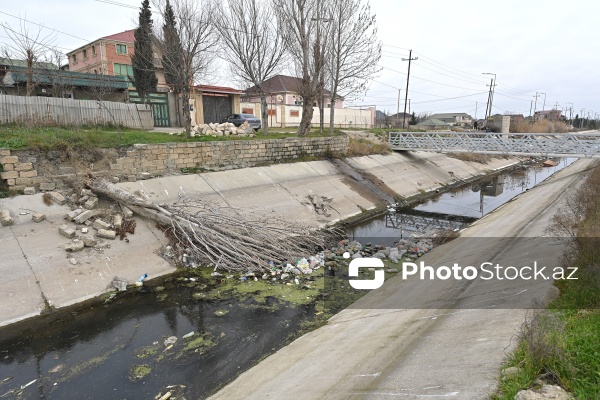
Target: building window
x,y
93,51
294,113
298,102
74,58
121,49
84,54
247,111
124,70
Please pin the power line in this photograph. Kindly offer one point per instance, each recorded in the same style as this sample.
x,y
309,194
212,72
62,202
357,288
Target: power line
x,y
427,80
43,26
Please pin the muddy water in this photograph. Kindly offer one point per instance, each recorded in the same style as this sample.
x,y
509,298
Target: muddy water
x,y
93,354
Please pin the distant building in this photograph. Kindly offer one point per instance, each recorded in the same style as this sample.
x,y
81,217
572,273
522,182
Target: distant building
x,y
552,115
433,124
455,119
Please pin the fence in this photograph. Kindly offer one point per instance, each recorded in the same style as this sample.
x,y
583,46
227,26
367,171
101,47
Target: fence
x,y
67,112
282,115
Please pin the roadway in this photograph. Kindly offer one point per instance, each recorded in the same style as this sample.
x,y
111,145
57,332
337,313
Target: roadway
x,y
385,347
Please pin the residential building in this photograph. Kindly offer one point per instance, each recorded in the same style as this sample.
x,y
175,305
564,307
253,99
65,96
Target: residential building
x,y
456,119
111,55
433,124
286,90
552,115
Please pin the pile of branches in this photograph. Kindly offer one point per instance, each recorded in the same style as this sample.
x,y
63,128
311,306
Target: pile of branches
x,y
229,238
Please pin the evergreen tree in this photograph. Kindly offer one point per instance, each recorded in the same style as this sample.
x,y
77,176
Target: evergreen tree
x,y
172,41
413,119
144,72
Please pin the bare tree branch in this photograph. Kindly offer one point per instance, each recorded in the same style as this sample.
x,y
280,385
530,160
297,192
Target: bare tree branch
x,y
251,44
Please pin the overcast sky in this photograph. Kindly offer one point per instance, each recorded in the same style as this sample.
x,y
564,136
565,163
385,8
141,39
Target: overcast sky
x,y
532,46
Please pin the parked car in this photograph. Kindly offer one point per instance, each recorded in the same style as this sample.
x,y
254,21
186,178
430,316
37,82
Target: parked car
x,y
239,119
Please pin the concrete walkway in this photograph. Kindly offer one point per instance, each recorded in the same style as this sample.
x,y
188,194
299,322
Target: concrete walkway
x,y
36,272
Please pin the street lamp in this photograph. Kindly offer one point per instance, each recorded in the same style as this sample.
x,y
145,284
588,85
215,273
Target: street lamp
x,y
490,96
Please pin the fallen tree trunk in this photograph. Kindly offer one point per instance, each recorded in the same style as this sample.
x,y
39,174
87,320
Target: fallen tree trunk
x,y
229,238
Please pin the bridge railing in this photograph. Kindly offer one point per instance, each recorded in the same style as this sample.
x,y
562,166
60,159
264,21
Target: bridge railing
x,y
534,144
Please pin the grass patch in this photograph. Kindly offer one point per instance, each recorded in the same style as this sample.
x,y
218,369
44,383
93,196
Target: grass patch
x,y
542,126
60,138
472,157
364,147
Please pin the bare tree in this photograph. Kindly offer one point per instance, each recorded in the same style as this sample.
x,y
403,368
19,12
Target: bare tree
x,y
28,46
303,29
354,51
251,44
198,39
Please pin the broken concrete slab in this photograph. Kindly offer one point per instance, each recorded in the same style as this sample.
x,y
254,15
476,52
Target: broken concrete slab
x,y
5,218
73,214
84,216
66,231
91,203
38,217
75,245
99,224
117,221
57,198
89,241
29,190
106,234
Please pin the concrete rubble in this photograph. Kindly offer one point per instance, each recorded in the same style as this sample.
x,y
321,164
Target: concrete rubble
x,y
38,217
224,129
57,198
118,283
106,234
5,218
66,231
74,246
546,392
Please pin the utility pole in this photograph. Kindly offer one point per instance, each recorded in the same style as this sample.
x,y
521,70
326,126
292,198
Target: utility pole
x,y
581,118
530,107
475,122
556,105
398,108
493,90
407,80
570,114
535,107
487,107
544,106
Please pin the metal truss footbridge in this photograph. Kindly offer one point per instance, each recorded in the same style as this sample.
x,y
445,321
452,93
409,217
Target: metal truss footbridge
x,y
583,145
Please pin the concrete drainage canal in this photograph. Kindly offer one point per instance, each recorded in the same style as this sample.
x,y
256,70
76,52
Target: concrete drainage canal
x,y
191,333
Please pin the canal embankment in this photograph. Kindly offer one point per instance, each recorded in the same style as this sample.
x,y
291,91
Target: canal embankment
x,y
38,276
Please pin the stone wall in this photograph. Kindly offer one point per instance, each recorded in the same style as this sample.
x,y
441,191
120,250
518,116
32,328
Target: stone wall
x,y
51,170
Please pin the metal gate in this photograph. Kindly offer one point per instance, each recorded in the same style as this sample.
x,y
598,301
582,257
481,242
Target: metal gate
x,y
160,106
216,107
